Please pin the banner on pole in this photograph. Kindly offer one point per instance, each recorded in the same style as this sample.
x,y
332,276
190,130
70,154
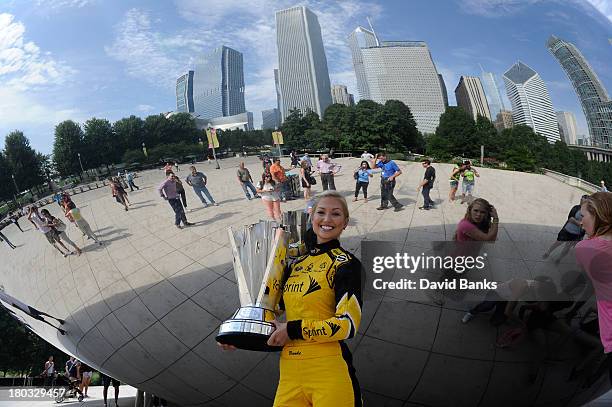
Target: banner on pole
x,y
213,141
277,137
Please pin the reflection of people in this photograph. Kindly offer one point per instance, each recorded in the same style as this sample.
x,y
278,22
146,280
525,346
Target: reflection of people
x,y
322,301
246,181
198,180
595,257
268,190
322,309
3,238
570,233
390,171
327,169
362,179
49,371
480,223
167,191
469,181
427,185
454,180
603,187
106,382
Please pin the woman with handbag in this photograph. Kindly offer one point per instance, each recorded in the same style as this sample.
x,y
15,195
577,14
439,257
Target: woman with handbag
x,y
60,229
307,179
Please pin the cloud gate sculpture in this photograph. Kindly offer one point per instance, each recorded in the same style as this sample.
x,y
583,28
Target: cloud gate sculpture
x,y
145,307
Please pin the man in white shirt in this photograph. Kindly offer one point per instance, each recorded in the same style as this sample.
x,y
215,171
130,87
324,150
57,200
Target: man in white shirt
x,y
367,156
41,225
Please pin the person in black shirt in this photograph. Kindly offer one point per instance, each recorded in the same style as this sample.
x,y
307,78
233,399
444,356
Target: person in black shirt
x,y
427,185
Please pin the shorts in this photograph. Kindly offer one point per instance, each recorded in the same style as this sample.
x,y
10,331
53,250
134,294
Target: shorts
x,y
51,236
454,183
324,381
87,375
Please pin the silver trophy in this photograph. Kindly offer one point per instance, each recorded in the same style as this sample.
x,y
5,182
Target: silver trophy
x,y
260,253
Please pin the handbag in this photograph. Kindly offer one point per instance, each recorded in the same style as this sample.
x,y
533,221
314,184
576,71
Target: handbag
x,y
312,180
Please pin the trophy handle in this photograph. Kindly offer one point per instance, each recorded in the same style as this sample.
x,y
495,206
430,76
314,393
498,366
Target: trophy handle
x,y
245,297
270,290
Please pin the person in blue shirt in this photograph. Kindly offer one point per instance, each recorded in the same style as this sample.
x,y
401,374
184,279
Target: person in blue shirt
x,y
362,178
390,171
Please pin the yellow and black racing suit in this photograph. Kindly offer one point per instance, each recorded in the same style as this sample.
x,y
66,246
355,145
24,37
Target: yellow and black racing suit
x,y
322,300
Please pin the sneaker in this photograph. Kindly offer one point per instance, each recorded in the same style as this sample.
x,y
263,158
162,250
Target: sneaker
x,y
206,205
189,224
216,204
467,317
381,208
424,208
66,254
354,199
398,208
179,227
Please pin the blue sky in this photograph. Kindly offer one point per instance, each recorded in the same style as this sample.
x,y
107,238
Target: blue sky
x,y
77,59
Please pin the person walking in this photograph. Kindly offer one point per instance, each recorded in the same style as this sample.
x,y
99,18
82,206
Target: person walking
x,y
48,372
469,181
85,372
427,184
168,168
455,176
198,180
106,382
390,171
74,215
362,179
327,169
118,192
246,181
306,179
130,180
60,229
268,190
180,189
278,175
3,238
50,234
294,159
603,187
167,191
367,156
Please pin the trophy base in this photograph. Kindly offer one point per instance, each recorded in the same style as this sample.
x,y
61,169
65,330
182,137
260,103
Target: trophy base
x,y
248,329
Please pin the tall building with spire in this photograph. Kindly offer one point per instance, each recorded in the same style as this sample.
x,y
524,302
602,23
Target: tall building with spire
x,y
531,104
494,98
471,97
303,77
361,38
596,103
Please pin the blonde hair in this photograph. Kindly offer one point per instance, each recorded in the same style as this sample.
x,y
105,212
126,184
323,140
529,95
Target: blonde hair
x,y
334,195
600,206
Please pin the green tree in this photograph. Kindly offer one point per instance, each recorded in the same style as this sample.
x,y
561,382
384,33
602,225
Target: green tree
x,y
486,135
294,128
130,132
338,126
157,130
369,126
22,160
7,188
399,126
67,143
184,128
457,133
99,144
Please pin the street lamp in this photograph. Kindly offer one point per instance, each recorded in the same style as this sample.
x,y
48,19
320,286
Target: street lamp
x,y
144,149
15,182
82,170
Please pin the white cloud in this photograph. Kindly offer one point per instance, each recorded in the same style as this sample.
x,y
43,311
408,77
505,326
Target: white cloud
x,y
494,8
603,6
159,58
145,108
57,4
22,65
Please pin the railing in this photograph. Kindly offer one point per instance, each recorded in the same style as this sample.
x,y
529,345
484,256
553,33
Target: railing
x,y
569,180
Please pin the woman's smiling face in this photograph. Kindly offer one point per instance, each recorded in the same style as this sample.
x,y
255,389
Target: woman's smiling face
x,y
329,220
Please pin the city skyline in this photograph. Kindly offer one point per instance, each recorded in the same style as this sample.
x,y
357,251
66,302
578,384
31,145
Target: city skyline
x,y
129,54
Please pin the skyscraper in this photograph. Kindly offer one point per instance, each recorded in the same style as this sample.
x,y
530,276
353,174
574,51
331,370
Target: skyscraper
x,y
219,84
530,100
444,92
567,122
489,84
596,103
341,95
184,93
361,38
503,120
279,100
303,77
405,71
270,119
471,97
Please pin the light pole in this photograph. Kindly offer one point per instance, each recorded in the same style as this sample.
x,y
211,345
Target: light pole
x,y
144,150
82,170
15,182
